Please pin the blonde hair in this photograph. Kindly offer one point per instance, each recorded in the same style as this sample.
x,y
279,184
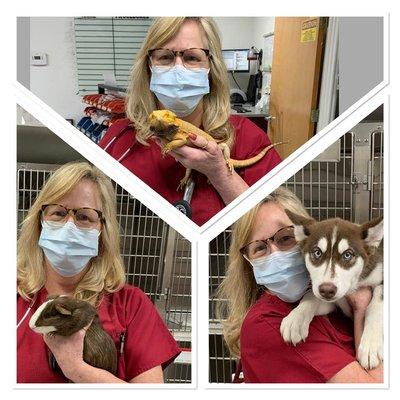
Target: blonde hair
x,y
239,291
141,102
106,271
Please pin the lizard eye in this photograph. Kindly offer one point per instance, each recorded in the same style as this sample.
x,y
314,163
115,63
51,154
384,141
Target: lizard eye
x,y
316,253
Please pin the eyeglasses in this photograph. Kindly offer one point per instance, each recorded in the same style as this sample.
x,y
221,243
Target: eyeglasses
x,y
191,58
283,239
84,217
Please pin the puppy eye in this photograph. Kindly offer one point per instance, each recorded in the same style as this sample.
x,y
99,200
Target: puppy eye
x,y
347,255
316,253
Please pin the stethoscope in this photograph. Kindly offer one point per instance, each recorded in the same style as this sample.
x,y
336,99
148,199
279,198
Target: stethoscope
x,y
182,205
115,138
33,301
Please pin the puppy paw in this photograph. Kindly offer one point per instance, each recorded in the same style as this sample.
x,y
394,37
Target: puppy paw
x,y
370,350
294,327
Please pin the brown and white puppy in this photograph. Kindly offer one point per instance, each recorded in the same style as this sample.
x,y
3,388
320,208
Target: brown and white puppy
x,y
64,315
341,257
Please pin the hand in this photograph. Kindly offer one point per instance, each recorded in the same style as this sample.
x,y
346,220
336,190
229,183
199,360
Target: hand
x,y
206,157
68,351
359,299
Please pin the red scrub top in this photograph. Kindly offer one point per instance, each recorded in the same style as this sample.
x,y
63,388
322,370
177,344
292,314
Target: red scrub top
x,y
266,358
148,342
163,173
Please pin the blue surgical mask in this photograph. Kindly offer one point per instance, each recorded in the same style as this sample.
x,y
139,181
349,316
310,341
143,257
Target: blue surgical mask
x,y
179,89
283,273
67,247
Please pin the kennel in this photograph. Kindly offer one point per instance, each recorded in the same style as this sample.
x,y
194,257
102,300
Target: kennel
x,y
157,259
351,188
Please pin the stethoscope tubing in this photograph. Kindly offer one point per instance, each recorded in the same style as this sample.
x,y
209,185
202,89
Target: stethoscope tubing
x,y
114,139
27,310
189,187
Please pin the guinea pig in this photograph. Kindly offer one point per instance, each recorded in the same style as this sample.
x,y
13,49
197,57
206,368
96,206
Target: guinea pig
x,y
64,315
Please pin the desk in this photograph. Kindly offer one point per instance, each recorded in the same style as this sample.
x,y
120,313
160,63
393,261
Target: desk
x,y
258,117
254,113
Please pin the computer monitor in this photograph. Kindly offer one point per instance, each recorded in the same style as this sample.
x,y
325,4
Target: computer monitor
x,y
236,60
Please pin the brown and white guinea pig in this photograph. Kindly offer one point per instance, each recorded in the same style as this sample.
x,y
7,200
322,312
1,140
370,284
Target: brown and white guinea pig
x,y
64,315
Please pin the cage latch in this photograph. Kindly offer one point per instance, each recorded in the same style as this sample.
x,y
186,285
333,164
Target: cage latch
x,y
164,294
362,179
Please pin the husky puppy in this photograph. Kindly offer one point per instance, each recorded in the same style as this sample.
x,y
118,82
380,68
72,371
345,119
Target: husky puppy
x,y
341,257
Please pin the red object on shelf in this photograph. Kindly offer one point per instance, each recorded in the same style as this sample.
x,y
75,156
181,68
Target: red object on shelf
x,y
106,102
89,111
105,105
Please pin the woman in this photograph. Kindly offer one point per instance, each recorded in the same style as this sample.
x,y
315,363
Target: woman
x,y
257,302
180,67
69,245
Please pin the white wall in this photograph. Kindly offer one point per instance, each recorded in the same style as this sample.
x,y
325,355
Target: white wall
x,y
56,83
243,32
262,25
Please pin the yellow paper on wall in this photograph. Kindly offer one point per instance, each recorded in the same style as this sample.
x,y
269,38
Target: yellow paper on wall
x,y
309,31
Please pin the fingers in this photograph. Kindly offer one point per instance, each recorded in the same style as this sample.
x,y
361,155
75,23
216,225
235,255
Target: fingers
x,y
46,338
85,328
180,158
158,141
186,155
202,142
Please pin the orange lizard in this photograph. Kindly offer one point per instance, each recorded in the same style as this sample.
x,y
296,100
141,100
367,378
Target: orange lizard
x,y
174,132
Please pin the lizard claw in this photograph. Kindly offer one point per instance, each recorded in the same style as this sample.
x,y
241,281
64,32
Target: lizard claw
x,y
182,184
229,163
165,150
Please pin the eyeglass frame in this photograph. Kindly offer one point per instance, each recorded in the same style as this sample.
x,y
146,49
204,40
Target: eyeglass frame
x,y
180,52
266,241
99,213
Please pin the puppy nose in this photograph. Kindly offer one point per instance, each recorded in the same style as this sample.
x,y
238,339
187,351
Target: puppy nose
x,y
327,290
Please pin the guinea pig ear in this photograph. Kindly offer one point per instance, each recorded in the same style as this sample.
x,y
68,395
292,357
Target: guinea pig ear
x,y
301,225
62,310
372,232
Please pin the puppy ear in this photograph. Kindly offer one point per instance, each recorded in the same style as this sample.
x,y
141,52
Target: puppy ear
x,y
62,309
301,225
372,232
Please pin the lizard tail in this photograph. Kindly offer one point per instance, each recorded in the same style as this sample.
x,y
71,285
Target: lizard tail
x,y
253,160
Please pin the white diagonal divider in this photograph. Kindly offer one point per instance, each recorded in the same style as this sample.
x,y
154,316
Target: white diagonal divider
x,y
163,208
97,156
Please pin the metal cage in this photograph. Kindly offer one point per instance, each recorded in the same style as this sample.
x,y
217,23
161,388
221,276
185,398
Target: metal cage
x,y
157,259
351,188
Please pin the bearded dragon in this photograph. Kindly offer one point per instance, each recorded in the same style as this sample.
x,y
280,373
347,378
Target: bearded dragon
x,y
174,133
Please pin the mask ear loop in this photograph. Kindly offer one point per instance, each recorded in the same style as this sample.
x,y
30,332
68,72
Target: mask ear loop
x,y
103,223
